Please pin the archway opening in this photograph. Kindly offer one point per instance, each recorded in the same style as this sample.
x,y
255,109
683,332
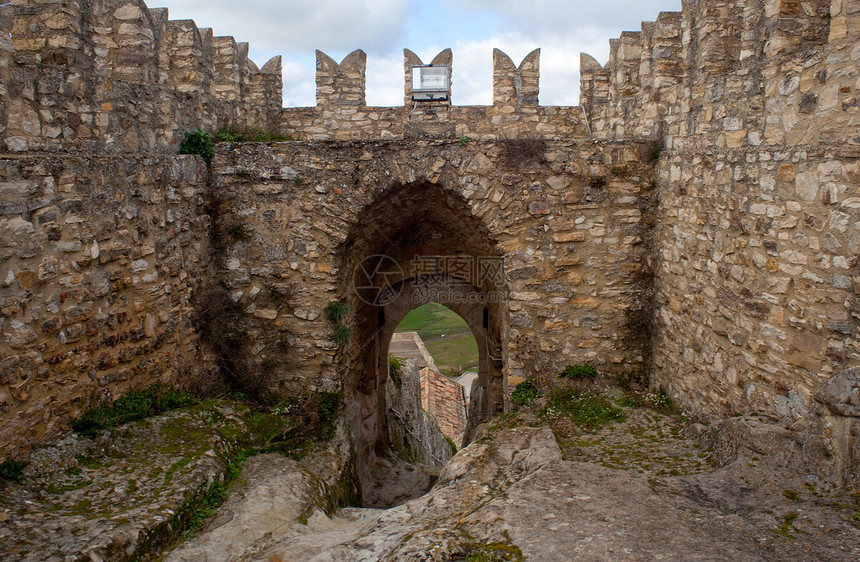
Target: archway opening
x,y
443,346
415,244
446,336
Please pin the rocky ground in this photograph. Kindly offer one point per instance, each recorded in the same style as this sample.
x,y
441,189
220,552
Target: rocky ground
x,y
128,493
544,489
533,486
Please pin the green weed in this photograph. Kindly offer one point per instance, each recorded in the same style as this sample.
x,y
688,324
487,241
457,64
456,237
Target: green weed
x,y
585,409
335,311
579,371
198,142
525,392
249,134
341,335
785,528
630,400
12,470
135,405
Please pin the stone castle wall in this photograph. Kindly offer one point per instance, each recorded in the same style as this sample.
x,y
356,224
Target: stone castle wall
x,y
758,225
99,256
698,216
575,249
115,75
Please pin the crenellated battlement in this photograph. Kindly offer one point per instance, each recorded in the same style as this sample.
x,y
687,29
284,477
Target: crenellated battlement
x,y
341,112
520,84
114,73
344,83
677,76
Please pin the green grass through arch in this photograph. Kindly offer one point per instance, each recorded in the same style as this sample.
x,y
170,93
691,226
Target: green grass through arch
x,y
446,336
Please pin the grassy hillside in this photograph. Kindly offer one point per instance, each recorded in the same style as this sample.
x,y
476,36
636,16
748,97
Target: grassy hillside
x,y
433,321
454,355
446,335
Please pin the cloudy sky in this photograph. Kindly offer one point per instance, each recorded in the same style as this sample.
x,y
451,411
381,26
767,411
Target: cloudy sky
x,y
383,28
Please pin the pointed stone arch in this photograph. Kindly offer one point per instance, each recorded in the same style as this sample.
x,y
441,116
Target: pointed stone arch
x,y
417,243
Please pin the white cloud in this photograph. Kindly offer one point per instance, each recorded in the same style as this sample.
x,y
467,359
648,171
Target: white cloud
x,y
299,85
294,28
472,83
299,25
385,80
538,18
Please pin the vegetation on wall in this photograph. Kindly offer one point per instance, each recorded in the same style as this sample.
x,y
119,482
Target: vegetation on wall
x,y
198,142
249,134
201,142
578,371
311,420
12,470
336,312
221,326
525,392
394,367
135,405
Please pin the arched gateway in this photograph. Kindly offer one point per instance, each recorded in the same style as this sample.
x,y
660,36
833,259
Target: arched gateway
x,y
414,244
536,244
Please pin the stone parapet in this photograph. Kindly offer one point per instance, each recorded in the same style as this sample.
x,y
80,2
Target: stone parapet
x,y
341,113
114,75
728,74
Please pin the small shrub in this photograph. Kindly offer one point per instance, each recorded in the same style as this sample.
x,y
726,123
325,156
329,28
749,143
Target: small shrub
x,y
578,371
394,367
335,311
12,470
341,335
464,140
394,364
198,142
525,392
135,405
654,153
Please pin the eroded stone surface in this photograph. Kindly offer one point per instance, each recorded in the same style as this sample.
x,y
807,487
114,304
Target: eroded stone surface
x,y
513,493
122,494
